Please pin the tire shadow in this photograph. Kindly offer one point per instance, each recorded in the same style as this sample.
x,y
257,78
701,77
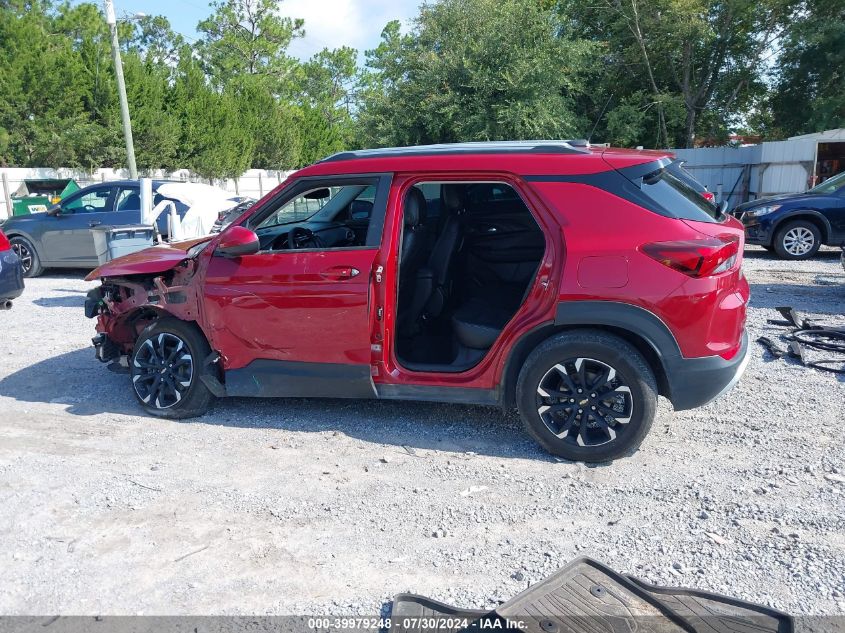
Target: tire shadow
x,y
86,387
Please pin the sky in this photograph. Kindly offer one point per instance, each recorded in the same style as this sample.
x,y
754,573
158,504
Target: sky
x,y
328,23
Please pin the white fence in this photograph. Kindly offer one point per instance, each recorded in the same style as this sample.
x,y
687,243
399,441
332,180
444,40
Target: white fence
x,y
253,183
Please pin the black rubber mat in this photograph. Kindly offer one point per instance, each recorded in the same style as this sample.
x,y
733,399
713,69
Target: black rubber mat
x,y
418,614
586,596
714,613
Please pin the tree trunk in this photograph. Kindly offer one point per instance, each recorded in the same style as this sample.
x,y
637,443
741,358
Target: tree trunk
x,y
690,126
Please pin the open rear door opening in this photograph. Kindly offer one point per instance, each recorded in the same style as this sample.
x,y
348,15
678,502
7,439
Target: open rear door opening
x,y
469,256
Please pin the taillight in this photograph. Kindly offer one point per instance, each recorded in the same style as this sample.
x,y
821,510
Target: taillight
x,y
696,258
710,197
4,242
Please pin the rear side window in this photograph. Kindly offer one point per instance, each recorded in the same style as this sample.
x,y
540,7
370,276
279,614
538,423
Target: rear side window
x,y
675,196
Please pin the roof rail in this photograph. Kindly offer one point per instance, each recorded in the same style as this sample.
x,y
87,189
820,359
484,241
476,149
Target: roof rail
x,y
574,146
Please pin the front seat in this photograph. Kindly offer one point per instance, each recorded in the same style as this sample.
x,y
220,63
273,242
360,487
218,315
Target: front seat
x,y
132,202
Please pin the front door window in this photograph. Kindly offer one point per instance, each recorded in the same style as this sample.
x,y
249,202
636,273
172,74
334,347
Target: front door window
x,y
95,201
324,217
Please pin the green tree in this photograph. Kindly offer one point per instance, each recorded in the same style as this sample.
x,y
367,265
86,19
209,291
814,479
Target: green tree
x,y
474,70
327,102
249,37
154,40
46,117
212,125
704,58
155,127
810,89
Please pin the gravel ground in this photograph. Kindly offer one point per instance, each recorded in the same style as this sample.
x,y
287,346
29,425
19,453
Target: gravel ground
x,y
331,507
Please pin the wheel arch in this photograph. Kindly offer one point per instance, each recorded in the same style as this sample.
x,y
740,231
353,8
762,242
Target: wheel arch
x,y
637,326
807,215
127,327
13,233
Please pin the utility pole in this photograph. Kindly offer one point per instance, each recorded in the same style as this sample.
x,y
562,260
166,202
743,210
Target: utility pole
x,y
121,89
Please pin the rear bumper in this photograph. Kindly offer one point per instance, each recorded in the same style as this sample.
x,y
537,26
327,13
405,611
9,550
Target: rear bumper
x,y
694,382
11,276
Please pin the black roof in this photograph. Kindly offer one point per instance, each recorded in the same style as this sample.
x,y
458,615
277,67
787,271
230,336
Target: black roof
x,y
574,146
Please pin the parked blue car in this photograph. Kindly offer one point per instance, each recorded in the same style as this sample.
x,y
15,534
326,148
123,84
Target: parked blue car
x,y
61,237
795,226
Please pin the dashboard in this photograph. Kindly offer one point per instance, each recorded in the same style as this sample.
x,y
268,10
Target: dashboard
x,y
307,234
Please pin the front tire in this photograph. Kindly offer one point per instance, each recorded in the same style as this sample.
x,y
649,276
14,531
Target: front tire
x,y
587,396
30,262
797,240
165,368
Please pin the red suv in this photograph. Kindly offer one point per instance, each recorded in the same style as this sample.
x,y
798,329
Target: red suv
x,y
573,283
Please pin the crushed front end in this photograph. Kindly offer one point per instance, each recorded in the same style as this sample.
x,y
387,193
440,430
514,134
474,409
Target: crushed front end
x,y
125,305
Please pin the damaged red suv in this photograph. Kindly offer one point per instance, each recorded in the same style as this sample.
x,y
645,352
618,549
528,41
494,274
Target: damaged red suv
x,y
574,283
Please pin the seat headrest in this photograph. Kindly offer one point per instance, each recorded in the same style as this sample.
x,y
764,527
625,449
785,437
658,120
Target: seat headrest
x,y
130,202
415,207
453,197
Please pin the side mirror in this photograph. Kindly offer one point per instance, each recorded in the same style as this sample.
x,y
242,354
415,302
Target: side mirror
x,y
55,210
237,241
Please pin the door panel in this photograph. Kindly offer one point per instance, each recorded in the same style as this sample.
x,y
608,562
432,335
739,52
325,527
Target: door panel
x,y
60,238
292,306
68,240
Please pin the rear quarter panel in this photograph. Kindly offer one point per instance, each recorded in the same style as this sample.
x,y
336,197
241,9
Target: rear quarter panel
x,y
597,224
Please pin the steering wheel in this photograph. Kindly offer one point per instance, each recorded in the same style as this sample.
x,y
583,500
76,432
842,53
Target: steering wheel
x,y
300,237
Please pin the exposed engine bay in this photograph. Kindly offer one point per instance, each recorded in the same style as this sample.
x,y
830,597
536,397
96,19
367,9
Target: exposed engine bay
x,y
124,306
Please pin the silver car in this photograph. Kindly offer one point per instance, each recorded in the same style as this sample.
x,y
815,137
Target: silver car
x,y
61,237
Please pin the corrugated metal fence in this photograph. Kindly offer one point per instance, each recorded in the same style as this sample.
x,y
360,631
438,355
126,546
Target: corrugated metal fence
x,y
738,174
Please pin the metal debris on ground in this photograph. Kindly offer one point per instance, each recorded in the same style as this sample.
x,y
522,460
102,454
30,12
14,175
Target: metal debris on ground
x,y
808,334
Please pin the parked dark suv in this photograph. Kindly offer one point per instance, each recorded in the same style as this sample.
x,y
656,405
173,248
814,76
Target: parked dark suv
x,y
573,283
795,226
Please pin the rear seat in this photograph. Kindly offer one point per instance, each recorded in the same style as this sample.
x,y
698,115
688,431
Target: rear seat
x,y
480,319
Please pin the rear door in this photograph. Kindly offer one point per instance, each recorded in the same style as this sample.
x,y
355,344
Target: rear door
x,y
299,321
67,239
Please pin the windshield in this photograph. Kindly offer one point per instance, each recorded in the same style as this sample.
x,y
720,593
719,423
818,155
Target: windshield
x,y
830,185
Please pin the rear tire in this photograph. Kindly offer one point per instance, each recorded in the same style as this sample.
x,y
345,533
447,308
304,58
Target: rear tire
x,y
608,417
30,262
165,368
797,240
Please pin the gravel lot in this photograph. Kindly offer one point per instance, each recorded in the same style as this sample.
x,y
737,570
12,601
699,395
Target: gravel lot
x,y
331,507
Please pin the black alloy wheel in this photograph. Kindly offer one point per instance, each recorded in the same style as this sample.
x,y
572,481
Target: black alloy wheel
x,y
587,395
30,264
162,370
585,402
